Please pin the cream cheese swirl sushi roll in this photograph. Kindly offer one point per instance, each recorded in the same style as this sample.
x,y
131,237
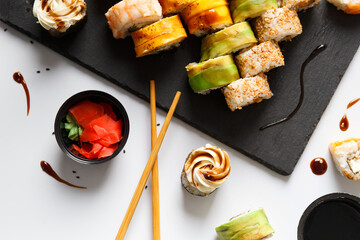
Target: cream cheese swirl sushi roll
x,y
205,170
346,156
130,15
59,16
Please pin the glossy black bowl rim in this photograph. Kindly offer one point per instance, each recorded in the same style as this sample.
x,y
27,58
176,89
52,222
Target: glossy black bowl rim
x,y
319,201
82,96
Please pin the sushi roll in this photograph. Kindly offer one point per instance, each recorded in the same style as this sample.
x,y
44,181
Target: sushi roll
x,y
299,5
346,156
130,15
226,41
212,74
247,91
245,9
260,58
170,7
205,170
160,36
204,16
348,6
252,225
278,24
60,17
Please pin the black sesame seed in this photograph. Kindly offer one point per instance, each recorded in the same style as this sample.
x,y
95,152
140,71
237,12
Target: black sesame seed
x,y
37,71
53,133
47,69
32,42
77,177
158,124
124,151
146,187
5,29
74,171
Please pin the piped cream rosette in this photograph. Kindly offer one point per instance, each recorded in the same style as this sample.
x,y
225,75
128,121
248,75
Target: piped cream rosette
x,y
205,170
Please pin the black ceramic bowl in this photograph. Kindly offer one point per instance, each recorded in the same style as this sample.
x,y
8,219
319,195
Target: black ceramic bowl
x,y
94,96
334,216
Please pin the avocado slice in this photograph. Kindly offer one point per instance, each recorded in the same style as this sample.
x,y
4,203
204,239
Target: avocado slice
x,y
253,225
226,41
212,74
244,9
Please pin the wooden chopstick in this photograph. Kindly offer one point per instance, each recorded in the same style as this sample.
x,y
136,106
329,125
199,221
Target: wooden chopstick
x,y
140,187
155,169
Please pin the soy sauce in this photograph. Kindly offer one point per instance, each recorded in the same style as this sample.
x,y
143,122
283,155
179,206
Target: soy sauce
x,y
313,54
333,220
50,171
318,166
20,79
344,122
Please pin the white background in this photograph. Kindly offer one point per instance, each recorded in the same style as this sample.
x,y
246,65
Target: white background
x,y
34,206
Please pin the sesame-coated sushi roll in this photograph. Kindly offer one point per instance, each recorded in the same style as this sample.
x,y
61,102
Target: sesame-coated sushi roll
x,y
278,24
245,91
159,36
245,9
348,6
260,58
205,170
212,74
346,156
226,41
204,16
60,17
299,5
129,15
170,7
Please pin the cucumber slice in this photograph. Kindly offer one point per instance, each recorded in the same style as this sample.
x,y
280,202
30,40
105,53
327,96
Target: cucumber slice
x,y
252,225
231,39
244,9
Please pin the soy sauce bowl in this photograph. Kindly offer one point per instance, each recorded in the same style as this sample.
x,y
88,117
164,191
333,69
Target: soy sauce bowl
x,y
97,97
331,217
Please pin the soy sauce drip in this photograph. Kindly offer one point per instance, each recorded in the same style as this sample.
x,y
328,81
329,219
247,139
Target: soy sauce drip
x,y
344,122
314,53
48,169
20,79
318,166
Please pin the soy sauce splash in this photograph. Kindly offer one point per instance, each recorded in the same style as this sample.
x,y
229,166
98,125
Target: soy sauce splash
x,y
314,53
48,169
318,166
344,122
20,79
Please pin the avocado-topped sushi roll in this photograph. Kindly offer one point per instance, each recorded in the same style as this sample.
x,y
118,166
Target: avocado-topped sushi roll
x,y
348,6
252,225
245,91
159,36
278,24
130,15
205,170
60,17
244,9
226,41
204,16
212,74
260,58
346,156
299,5
170,7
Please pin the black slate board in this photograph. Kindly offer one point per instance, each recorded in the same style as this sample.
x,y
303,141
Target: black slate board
x,y
279,147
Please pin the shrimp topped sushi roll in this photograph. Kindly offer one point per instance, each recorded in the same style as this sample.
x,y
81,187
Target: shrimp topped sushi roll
x,y
129,15
348,6
60,17
260,58
299,5
246,91
159,36
278,24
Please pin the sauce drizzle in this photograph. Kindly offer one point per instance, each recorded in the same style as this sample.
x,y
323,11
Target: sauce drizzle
x,y
344,122
20,79
48,169
318,166
313,54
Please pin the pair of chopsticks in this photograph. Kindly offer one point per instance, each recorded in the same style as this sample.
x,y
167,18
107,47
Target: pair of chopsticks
x,y
156,144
